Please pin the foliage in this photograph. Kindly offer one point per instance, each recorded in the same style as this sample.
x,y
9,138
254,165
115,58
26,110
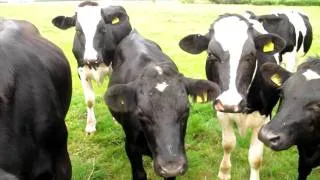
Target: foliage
x,y
267,2
101,155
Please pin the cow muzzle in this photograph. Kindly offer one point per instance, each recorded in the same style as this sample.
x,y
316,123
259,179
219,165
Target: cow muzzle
x,y
273,140
219,106
171,168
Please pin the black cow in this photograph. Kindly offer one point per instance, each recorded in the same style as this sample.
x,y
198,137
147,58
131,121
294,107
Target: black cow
x,y
89,48
236,50
35,93
294,27
297,121
147,96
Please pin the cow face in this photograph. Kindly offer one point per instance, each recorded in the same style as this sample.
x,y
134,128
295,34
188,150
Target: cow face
x,y
158,101
98,31
233,47
297,120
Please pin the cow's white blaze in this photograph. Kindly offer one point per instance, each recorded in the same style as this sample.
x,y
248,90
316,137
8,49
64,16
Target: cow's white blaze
x,y
310,75
161,86
88,18
231,33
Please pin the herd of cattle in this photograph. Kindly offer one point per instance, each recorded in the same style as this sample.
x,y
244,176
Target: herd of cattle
x,y
148,96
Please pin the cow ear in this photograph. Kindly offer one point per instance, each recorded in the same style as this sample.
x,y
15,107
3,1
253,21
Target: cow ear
x,y
274,74
202,91
63,22
269,43
194,43
121,97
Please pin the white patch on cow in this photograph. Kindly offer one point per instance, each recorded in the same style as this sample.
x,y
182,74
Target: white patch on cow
x,y
233,42
161,86
310,75
253,76
297,21
88,18
159,70
255,24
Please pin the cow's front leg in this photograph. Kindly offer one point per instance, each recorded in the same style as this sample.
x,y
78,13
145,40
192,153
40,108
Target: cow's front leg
x,y
303,168
135,158
228,144
89,100
170,178
255,155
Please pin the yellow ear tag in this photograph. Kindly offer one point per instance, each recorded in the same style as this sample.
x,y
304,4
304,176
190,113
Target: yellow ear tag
x,y
276,79
202,99
268,47
115,20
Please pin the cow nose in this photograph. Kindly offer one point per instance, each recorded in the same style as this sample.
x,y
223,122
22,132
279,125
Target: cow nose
x,y
172,169
269,138
226,108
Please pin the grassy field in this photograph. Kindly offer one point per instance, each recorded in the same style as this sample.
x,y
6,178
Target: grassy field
x,y
102,156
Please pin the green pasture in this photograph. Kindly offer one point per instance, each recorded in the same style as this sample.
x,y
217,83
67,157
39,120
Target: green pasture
x,y
101,155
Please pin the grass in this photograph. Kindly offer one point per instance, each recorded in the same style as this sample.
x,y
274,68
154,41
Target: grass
x,y
102,156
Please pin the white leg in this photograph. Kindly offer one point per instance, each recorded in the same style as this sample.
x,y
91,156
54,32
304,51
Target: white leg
x,y
255,155
89,100
228,144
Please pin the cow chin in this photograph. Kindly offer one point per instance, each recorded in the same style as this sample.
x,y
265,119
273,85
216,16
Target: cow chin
x,y
171,168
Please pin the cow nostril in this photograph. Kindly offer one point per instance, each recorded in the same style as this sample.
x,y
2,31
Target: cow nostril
x,y
218,105
274,140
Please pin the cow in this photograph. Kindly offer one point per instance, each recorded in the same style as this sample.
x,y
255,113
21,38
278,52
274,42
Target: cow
x,y
92,54
147,95
297,121
293,26
235,51
35,94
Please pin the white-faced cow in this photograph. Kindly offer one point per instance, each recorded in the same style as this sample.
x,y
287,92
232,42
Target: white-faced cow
x,y
148,96
35,93
294,27
90,49
297,121
236,50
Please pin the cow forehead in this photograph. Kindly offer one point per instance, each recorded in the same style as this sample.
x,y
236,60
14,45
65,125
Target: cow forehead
x,y
88,16
231,33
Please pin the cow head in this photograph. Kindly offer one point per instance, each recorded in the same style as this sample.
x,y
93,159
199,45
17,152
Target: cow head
x,y
233,47
98,31
298,118
158,100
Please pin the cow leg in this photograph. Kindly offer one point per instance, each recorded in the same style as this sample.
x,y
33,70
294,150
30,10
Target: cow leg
x,y
228,144
255,155
89,100
62,164
303,168
135,158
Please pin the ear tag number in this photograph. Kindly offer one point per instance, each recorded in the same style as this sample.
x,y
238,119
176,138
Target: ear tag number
x,y
115,20
268,47
276,79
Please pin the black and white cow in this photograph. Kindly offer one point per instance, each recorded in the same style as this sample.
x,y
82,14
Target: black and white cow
x,y
293,26
89,48
236,50
35,93
297,121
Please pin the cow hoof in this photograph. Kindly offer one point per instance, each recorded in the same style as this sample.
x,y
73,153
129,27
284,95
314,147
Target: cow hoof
x,y
90,130
222,176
